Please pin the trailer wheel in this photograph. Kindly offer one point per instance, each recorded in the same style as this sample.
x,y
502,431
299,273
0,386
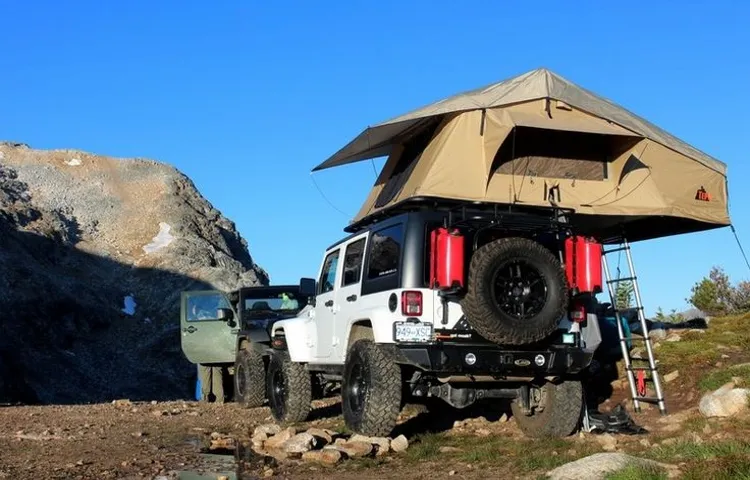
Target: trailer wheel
x,y
370,390
289,389
517,292
249,378
558,411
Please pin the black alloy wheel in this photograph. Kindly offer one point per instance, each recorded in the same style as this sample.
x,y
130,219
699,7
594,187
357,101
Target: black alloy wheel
x,y
520,289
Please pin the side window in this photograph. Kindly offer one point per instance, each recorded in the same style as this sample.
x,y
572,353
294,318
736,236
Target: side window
x,y
204,307
385,252
328,275
353,262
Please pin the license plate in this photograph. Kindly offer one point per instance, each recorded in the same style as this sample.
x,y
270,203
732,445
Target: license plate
x,y
413,332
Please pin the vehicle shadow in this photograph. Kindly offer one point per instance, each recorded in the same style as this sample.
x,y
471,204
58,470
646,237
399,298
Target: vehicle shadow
x,y
328,411
442,417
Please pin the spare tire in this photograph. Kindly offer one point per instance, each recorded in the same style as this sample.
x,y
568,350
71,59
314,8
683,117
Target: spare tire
x,y
516,291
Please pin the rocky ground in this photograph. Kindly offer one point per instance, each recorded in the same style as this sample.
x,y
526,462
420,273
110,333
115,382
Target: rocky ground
x,y
705,434
94,253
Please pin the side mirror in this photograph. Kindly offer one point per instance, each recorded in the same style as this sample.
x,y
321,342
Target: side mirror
x,y
308,288
225,314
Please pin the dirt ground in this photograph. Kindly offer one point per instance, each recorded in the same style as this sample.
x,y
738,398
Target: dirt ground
x,y
129,440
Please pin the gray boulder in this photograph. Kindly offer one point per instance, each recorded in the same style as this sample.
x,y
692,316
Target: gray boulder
x,y
94,252
599,465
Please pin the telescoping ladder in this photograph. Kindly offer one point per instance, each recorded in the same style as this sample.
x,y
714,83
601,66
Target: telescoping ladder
x,y
637,378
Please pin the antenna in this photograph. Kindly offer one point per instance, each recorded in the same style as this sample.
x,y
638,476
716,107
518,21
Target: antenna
x,y
327,200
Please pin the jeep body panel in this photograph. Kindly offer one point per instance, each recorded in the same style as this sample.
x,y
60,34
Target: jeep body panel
x,y
360,282
204,338
298,334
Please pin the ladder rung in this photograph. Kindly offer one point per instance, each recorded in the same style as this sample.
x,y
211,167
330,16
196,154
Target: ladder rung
x,y
642,359
643,369
643,339
647,399
616,249
623,279
623,310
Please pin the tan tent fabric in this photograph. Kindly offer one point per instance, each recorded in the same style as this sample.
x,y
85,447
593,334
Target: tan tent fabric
x,y
539,140
537,84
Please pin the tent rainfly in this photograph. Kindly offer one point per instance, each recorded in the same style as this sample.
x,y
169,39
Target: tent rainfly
x,y
540,140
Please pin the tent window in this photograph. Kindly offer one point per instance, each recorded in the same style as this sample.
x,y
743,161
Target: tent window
x,y
409,158
558,154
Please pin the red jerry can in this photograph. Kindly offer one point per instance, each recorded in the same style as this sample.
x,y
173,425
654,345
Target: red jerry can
x,y
583,264
447,258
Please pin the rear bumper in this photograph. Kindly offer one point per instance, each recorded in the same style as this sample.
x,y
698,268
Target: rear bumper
x,y
490,360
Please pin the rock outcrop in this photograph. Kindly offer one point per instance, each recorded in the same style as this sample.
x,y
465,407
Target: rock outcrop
x,y
94,252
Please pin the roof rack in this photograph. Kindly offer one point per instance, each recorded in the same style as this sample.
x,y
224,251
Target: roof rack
x,y
468,213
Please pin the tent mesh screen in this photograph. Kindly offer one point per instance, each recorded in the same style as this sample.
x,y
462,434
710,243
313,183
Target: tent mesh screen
x,y
558,154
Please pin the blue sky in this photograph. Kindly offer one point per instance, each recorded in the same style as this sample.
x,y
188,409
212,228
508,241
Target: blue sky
x,y
246,97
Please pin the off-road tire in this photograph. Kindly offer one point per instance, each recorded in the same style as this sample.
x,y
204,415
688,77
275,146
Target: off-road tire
x,y
374,411
561,415
481,308
289,386
249,378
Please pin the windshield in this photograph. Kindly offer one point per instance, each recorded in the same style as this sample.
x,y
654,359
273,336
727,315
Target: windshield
x,y
263,302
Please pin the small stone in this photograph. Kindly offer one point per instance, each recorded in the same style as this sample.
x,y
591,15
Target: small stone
x,y
124,464
278,440
268,472
673,338
450,449
383,444
707,429
222,477
122,403
268,429
671,376
482,432
724,355
451,473
399,444
158,413
299,444
607,441
327,456
727,401
356,449
503,418
154,402
645,442
321,434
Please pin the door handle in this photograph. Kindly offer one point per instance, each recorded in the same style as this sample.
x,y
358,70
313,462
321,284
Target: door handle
x,y
189,329
329,303
351,298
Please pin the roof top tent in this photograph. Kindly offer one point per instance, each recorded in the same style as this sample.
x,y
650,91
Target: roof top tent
x,y
538,140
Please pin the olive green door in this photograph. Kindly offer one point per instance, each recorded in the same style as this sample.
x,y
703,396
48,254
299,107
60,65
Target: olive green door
x,y
204,337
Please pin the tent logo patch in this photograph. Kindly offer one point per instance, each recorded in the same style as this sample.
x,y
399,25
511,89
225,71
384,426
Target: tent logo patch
x,y
702,195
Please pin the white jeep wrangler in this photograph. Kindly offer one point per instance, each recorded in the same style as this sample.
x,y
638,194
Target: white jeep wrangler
x,y
380,323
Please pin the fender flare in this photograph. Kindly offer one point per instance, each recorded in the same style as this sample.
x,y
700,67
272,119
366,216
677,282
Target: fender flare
x,y
257,340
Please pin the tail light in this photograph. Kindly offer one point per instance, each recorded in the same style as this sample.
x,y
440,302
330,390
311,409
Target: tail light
x,y
411,303
578,313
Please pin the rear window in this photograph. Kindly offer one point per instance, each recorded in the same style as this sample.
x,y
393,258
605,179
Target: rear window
x,y
385,252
